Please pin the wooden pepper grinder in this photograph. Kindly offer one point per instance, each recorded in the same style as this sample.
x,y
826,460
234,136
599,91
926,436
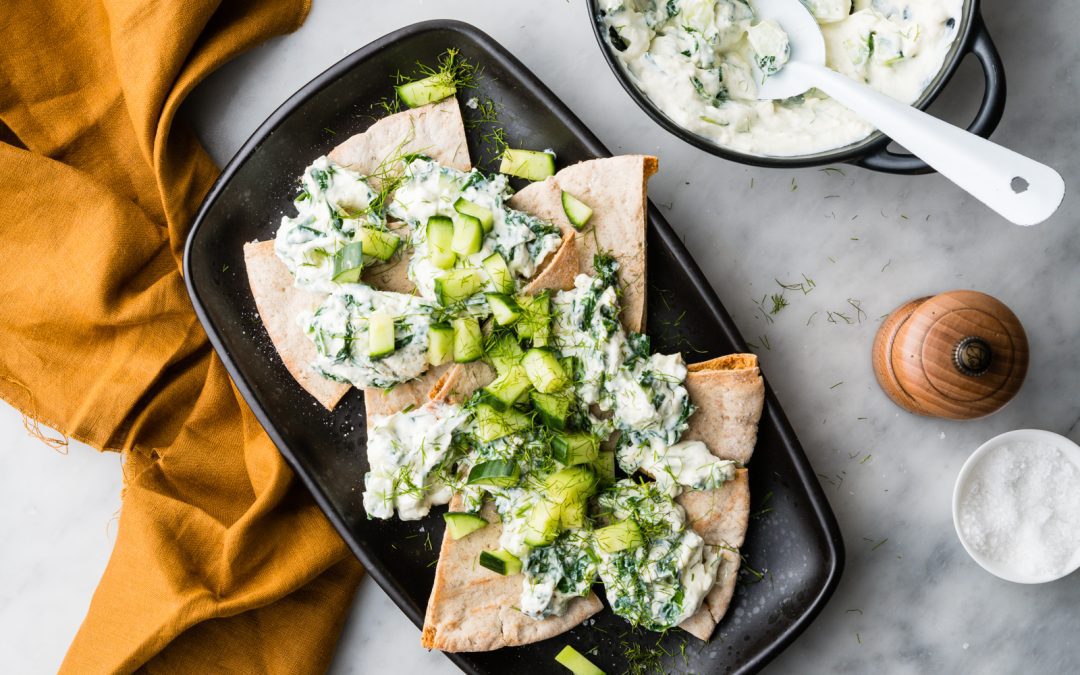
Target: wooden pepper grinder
x,y
958,355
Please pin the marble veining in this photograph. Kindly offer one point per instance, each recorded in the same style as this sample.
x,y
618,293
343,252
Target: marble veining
x,y
910,601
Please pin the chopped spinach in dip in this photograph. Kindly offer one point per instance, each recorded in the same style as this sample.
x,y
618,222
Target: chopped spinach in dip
x,y
429,189
339,329
700,62
333,204
662,583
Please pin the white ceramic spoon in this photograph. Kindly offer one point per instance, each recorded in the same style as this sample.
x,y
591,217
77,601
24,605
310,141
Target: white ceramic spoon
x,y
1020,189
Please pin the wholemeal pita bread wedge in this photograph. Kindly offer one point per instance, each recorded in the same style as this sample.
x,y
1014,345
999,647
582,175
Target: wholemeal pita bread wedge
x,y
435,130
614,188
729,394
472,609
558,274
279,303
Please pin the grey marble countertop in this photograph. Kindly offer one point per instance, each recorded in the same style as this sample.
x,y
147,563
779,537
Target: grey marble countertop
x,y
910,599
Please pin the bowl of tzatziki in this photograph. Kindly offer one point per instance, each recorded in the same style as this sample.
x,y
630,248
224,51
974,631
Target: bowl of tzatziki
x,y
695,66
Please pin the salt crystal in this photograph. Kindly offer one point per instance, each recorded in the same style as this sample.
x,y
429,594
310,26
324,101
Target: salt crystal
x,y
1021,508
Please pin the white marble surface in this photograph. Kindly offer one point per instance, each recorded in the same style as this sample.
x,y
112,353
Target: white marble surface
x,y
913,604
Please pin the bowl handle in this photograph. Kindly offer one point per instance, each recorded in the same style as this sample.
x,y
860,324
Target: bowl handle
x,y
990,111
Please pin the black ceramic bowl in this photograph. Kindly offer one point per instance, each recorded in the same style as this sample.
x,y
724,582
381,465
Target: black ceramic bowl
x,y
872,152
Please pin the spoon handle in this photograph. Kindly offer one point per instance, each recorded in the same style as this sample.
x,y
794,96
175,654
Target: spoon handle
x,y
1020,189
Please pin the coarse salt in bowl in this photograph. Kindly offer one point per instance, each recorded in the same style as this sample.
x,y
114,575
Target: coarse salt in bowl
x,y
1016,506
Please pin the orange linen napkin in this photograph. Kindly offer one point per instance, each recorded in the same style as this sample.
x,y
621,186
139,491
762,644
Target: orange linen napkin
x,y
222,560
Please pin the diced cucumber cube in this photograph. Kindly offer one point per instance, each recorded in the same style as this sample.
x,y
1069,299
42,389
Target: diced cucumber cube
x,y
569,484
380,334
461,525
496,473
468,340
348,263
444,260
576,663
428,90
440,232
577,212
510,387
467,208
535,323
468,236
440,343
504,352
527,164
542,523
504,308
576,448
605,467
544,370
621,536
379,244
491,424
499,274
572,514
457,285
500,562
554,409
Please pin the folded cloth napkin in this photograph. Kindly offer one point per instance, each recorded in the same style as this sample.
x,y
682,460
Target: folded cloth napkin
x,y
222,561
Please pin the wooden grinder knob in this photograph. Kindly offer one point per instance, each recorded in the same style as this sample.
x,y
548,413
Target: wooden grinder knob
x,y
958,355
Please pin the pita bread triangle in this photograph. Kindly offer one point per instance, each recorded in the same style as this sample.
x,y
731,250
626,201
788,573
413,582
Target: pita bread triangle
x,y
729,394
615,189
435,130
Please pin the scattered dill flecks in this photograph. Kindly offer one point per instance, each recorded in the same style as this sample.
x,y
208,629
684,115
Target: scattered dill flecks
x,y
804,286
764,509
904,216
778,302
749,576
832,196
493,145
794,185
879,544
855,216
427,540
761,308
857,637
811,318
433,563
883,267
832,170
849,611
857,306
329,131
224,268
854,238
644,659
836,385
765,342
831,259
751,182
866,459
837,317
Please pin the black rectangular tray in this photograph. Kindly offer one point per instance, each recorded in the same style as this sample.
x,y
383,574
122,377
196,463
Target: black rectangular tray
x,y
796,544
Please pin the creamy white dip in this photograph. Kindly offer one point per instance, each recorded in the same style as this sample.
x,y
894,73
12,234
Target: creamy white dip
x,y
700,62
334,202
405,451
339,329
429,189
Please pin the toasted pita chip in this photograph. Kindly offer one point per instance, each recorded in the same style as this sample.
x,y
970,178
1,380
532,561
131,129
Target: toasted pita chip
x,y
721,517
472,609
279,303
435,130
729,394
558,274
614,188
402,395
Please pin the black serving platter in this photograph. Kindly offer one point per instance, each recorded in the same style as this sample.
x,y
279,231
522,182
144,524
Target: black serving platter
x,y
796,544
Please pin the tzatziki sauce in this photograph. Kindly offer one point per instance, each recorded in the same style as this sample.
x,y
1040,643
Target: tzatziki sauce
x,y
701,61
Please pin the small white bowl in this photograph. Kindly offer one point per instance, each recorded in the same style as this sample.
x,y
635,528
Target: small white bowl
x,y
1068,448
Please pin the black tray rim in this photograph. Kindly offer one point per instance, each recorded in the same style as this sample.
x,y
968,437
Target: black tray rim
x,y
382,576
